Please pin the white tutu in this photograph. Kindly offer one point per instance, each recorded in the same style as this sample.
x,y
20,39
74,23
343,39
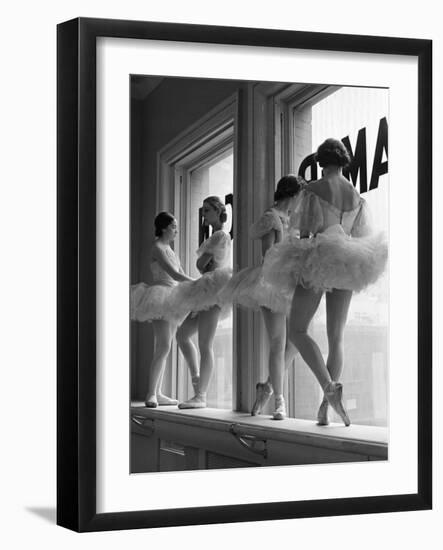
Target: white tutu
x,y
329,260
158,302
207,291
249,289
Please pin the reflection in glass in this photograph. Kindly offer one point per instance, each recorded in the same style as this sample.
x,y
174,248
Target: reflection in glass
x,y
213,178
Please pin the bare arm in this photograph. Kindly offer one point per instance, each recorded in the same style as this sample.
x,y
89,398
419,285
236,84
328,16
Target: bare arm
x,y
267,241
161,257
203,262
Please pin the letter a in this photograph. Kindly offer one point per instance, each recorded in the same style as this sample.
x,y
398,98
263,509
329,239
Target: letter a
x,y
379,168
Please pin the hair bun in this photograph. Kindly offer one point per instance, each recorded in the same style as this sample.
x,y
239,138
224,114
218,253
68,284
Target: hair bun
x,y
162,221
332,151
288,186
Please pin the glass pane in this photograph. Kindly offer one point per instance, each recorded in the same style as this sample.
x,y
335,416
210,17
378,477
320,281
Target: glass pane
x,y
214,178
357,115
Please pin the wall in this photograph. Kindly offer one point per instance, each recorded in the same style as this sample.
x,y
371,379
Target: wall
x,y
136,218
27,227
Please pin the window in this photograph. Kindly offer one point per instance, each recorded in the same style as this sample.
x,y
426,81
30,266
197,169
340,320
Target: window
x,y
359,117
197,163
210,177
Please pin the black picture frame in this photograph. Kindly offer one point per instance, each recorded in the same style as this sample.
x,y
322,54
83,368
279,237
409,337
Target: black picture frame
x,y
76,279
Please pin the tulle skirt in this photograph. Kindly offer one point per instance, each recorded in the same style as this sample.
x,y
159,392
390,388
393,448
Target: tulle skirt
x,y
158,302
329,260
207,291
249,289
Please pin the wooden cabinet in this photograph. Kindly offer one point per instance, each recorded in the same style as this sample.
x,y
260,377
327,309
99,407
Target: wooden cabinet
x,y
167,439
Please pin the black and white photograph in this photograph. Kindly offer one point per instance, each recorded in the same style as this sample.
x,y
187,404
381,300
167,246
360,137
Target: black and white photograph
x,y
259,253
244,268
221,268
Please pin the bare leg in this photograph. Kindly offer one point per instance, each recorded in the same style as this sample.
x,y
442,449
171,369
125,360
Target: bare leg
x,y
337,307
162,345
163,399
290,350
304,305
207,325
276,328
273,323
184,333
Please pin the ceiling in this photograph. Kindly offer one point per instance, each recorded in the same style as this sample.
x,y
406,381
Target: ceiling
x,y
142,86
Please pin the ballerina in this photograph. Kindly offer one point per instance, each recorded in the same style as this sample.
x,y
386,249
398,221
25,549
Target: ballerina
x,y
332,248
248,288
204,298
161,304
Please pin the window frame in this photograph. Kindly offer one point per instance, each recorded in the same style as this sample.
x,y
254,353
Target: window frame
x,y
289,99
203,156
208,138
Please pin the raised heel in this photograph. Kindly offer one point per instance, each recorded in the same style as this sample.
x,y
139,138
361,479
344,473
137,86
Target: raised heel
x,y
263,393
322,415
334,395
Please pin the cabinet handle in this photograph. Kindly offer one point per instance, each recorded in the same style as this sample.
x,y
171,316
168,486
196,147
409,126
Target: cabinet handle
x,y
250,442
146,423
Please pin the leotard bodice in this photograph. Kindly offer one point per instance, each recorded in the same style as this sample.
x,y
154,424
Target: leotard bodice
x,y
270,220
159,275
218,245
313,214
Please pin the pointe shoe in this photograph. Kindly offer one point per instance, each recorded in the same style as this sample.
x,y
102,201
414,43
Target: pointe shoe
x,y
263,393
197,402
280,408
164,400
322,415
334,394
151,402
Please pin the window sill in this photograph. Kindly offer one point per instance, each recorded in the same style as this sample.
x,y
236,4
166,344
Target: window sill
x,y
355,441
